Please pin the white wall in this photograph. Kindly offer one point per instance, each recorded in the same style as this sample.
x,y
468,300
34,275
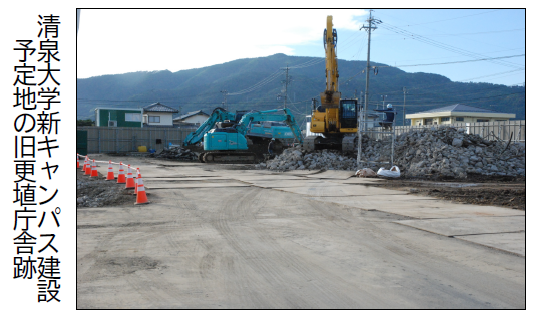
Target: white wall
x,y
165,118
196,119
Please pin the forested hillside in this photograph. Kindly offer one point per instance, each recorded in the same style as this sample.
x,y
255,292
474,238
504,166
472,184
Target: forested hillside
x,y
201,88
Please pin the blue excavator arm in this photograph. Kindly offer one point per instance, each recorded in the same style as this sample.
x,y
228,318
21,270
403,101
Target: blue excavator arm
x,y
218,115
287,117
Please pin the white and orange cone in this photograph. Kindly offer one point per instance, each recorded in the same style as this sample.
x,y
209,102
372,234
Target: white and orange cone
x,y
94,172
138,175
85,164
77,162
88,168
110,175
121,174
141,197
130,180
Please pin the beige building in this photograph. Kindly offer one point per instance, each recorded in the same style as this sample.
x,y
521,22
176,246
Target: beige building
x,y
456,114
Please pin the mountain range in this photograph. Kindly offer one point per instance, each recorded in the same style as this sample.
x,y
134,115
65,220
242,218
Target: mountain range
x,y
259,83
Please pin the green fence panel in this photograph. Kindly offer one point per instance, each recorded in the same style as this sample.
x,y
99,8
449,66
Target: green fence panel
x,y
82,142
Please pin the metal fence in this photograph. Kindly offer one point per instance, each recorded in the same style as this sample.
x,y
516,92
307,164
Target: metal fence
x,y
489,130
118,140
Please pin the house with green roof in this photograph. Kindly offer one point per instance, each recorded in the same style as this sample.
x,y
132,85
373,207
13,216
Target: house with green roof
x,y
457,113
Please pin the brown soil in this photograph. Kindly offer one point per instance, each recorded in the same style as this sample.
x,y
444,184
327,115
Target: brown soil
x,y
482,190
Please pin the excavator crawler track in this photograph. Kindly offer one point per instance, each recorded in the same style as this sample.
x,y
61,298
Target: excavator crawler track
x,y
228,157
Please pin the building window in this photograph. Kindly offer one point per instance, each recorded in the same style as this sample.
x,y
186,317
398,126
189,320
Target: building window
x,y
133,117
459,119
154,119
427,122
444,119
482,120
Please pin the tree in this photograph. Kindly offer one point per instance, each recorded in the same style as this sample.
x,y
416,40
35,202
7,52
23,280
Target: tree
x,y
87,122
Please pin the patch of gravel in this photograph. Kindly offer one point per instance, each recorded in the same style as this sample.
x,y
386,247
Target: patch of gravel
x,y
97,192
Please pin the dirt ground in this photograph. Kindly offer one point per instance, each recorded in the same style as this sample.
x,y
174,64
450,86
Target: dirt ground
x,y
239,246
502,191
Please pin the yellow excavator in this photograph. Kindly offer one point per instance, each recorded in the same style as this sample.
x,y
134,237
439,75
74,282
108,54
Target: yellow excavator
x,y
334,123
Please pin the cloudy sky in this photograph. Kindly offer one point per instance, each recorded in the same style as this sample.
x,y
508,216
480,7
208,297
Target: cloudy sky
x,y
127,40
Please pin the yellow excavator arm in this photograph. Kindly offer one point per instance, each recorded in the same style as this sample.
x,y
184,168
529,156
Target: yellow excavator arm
x,y
331,95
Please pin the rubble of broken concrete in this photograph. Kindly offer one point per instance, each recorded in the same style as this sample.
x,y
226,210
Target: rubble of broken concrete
x,y
443,151
175,152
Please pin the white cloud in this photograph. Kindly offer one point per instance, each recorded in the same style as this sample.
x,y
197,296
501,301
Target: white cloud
x,y
119,41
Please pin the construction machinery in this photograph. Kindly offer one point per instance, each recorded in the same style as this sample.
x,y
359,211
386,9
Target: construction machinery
x,y
334,123
231,145
259,133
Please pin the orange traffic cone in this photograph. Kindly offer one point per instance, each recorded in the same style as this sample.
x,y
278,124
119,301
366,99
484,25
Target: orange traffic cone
x,y
88,168
121,174
77,162
85,164
110,175
141,197
130,181
94,172
136,181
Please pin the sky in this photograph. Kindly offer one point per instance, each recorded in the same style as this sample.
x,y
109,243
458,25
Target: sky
x,y
128,40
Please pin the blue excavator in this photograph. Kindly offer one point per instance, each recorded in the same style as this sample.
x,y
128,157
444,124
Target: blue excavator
x,y
231,145
259,133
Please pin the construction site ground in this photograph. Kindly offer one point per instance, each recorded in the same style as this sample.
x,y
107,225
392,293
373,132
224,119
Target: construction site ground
x,y
232,236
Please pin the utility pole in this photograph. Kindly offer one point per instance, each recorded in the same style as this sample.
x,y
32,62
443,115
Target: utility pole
x,y
225,98
383,96
404,104
287,81
371,26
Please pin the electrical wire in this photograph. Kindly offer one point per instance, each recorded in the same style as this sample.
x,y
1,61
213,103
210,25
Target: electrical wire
x,y
432,22
442,45
259,84
444,63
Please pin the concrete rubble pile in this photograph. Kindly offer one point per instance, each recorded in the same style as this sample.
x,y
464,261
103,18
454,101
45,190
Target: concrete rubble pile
x,y
95,193
175,152
296,158
443,151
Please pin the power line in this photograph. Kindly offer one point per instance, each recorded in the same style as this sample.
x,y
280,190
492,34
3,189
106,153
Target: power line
x,y
443,63
432,22
259,84
476,33
442,45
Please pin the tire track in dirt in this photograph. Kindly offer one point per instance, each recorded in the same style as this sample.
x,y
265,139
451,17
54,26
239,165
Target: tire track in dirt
x,y
249,285
296,272
407,255
316,278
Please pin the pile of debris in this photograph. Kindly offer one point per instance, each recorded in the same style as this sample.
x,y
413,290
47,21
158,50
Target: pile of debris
x,y
175,152
443,151
296,158
452,152
96,192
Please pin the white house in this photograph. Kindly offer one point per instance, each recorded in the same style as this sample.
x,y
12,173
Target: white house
x,y
158,115
194,118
